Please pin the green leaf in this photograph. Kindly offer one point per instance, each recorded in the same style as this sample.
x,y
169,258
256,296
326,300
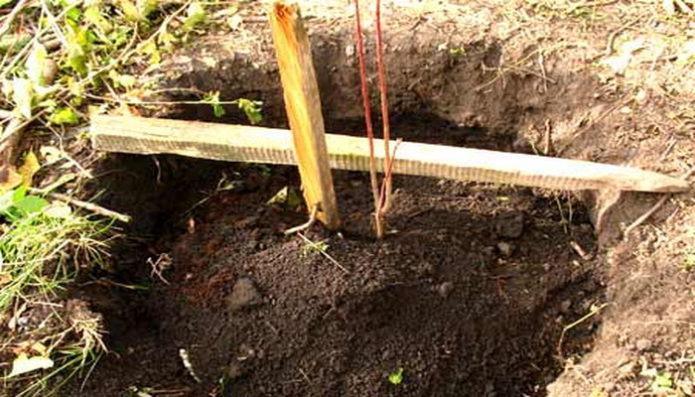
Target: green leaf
x,y
194,16
64,116
151,49
129,10
30,204
147,7
252,109
213,98
396,377
77,60
36,64
293,200
19,194
74,14
22,95
93,15
122,80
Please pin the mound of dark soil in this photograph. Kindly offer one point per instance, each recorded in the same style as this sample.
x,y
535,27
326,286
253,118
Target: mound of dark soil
x,y
468,294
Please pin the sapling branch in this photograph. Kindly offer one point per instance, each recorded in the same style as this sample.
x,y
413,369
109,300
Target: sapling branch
x,y
383,195
368,119
381,75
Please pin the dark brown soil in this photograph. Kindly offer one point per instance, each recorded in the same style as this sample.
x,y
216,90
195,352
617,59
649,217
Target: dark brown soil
x,y
438,297
468,293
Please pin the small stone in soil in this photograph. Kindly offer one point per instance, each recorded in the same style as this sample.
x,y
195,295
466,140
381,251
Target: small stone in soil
x,y
444,289
510,224
506,249
244,294
565,306
643,345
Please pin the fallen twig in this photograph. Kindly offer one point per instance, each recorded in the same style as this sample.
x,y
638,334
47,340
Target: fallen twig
x,y
9,19
656,206
646,215
568,327
97,209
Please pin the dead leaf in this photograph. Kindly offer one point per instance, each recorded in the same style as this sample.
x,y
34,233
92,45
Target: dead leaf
x,y
5,278
30,167
39,348
23,364
280,197
51,154
58,209
13,180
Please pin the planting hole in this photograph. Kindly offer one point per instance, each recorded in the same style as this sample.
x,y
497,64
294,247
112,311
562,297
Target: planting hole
x,y
470,290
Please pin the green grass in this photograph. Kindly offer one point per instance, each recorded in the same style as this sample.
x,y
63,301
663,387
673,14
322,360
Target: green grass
x,y
60,60
41,255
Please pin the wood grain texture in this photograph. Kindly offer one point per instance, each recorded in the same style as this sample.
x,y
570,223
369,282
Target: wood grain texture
x,y
275,146
303,106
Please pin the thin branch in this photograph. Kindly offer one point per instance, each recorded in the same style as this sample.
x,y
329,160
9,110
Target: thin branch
x,y
368,119
383,90
9,19
97,209
387,176
304,226
646,215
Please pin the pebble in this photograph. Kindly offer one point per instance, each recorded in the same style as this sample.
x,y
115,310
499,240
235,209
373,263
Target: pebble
x,y
506,249
643,345
244,294
444,289
565,306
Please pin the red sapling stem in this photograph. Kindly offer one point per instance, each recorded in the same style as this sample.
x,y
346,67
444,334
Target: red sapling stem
x,y
368,120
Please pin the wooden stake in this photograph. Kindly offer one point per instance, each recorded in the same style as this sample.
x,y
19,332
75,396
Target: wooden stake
x,y
303,106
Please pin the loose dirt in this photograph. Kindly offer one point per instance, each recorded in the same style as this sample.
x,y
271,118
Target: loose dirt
x,y
472,289
469,291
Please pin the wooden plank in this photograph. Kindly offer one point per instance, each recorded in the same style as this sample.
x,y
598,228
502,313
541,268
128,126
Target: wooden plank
x,y
275,146
303,106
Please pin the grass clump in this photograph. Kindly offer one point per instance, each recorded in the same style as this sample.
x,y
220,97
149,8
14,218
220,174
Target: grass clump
x,y
42,249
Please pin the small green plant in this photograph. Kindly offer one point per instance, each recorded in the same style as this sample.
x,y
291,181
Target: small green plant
x,y
457,51
252,109
311,248
16,203
662,383
396,377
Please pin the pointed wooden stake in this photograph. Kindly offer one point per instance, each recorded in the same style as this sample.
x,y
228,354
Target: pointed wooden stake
x,y
303,106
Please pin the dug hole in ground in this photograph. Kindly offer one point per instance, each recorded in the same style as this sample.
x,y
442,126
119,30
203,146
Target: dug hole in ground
x,y
478,290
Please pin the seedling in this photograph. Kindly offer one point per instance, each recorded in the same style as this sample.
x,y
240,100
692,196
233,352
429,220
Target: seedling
x,y
396,377
252,109
319,247
311,247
